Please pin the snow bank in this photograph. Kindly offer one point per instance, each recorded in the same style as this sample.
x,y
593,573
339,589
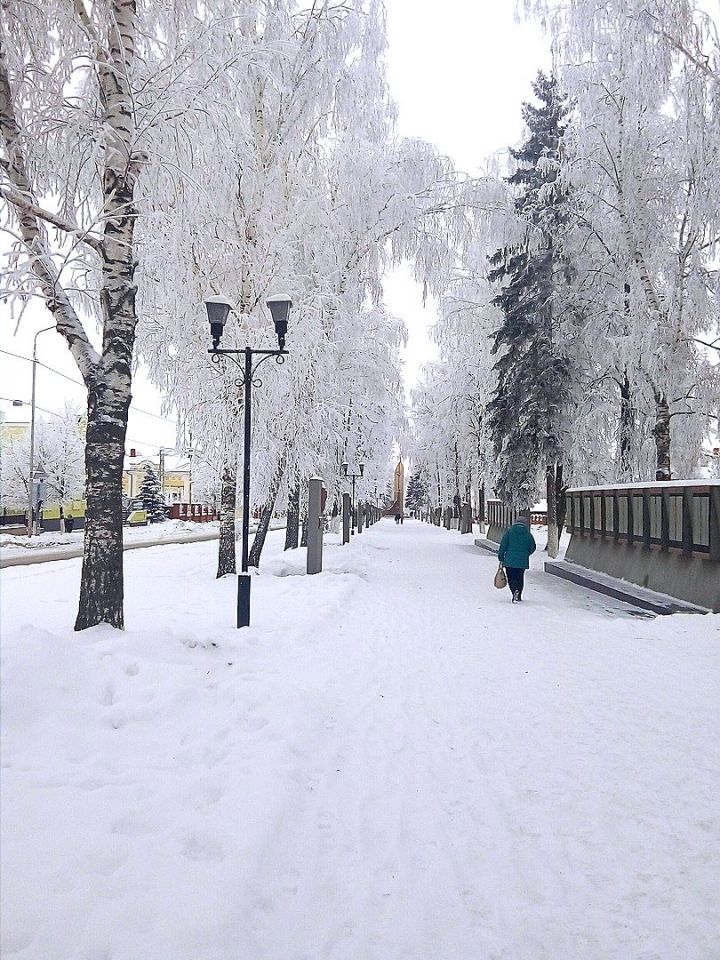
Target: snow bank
x,y
155,531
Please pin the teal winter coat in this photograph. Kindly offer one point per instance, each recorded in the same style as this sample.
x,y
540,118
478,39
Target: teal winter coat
x,y
516,546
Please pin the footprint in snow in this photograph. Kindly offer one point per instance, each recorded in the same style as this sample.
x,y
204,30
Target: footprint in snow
x,y
252,724
202,849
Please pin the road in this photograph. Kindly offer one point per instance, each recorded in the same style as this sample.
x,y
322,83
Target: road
x,y
20,557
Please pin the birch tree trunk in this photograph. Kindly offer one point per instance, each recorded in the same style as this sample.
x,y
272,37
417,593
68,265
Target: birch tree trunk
x,y
101,584
266,515
661,435
228,497
107,377
292,529
101,587
626,431
262,530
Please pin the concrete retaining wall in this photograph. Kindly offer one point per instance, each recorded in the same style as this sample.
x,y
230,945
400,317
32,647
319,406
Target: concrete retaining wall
x,y
688,578
663,536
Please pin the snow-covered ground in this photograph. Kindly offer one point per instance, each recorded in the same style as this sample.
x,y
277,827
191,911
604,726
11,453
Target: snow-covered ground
x,y
392,763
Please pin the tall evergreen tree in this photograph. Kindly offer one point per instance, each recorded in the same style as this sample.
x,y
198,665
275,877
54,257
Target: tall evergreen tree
x,y
417,493
533,393
151,496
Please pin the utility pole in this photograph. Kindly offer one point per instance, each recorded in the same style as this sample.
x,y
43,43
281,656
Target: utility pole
x,y
161,474
31,475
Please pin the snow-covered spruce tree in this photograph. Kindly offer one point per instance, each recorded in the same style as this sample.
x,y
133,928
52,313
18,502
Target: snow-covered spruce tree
x,y
151,496
417,493
528,413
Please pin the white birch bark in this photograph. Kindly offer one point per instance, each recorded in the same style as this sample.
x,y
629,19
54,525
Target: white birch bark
x,y
107,375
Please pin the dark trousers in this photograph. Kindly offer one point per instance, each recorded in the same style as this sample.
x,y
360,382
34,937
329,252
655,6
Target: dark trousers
x,y
515,579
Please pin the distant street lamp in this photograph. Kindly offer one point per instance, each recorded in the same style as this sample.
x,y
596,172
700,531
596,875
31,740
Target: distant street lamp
x,y
218,311
31,472
353,477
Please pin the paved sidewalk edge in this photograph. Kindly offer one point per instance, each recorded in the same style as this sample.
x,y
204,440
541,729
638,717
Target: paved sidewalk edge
x,y
623,590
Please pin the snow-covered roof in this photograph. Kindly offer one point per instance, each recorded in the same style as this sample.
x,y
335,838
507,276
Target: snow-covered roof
x,y
669,484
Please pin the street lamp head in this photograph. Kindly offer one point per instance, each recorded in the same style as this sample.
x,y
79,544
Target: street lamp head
x,y
218,310
279,306
344,468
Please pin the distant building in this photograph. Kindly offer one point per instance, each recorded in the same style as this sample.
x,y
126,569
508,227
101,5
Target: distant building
x,y
399,487
173,472
398,502
14,429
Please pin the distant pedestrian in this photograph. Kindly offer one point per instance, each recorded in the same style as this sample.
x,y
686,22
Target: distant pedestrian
x,y
69,523
514,554
397,518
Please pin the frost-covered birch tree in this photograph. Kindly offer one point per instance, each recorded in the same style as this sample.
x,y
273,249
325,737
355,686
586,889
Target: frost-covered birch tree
x,y
84,88
310,191
59,449
71,161
644,152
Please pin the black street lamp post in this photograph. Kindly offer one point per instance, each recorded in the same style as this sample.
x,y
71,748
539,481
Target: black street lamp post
x,y
353,477
218,310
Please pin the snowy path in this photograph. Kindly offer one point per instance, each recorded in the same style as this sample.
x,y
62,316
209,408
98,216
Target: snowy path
x,y
393,763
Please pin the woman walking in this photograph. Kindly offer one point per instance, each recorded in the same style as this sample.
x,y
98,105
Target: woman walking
x,y
514,554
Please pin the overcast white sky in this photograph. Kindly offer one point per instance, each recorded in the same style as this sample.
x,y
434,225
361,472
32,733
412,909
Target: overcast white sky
x,y
459,78
459,72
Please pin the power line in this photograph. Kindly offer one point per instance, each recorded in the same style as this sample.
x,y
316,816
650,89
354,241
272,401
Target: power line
x,y
79,383
19,356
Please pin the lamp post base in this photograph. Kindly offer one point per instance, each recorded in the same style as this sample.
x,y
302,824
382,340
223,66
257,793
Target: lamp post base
x,y
243,600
